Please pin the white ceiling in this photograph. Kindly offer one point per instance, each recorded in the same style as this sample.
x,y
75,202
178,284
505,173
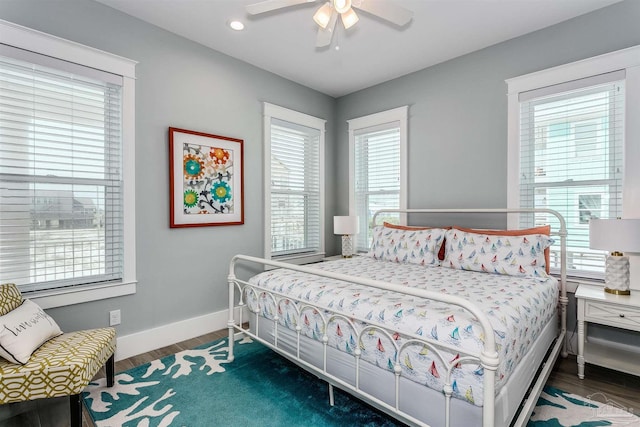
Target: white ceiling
x,y
369,53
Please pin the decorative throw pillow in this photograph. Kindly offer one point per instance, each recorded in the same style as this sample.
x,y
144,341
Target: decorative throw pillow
x,y
25,329
543,229
10,298
414,227
511,255
407,246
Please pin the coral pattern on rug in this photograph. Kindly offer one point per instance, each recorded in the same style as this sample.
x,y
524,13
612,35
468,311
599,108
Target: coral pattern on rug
x,y
556,408
187,389
182,390
144,403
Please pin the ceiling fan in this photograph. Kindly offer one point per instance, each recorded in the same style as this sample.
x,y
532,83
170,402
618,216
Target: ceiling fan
x,y
327,15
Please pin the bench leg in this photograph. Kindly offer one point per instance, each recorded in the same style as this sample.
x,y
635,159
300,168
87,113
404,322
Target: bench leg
x,y
110,367
75,404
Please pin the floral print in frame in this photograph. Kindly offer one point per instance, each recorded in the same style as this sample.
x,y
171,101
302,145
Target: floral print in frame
x,y
206,179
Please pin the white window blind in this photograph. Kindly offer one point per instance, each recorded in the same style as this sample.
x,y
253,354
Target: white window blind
x,y
571,160
295,188
61,210
377,171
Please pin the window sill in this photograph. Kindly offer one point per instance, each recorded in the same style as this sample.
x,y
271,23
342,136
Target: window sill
x,y
63,297
301,259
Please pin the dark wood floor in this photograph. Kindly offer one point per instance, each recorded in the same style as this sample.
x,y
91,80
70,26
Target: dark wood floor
x,y
599,383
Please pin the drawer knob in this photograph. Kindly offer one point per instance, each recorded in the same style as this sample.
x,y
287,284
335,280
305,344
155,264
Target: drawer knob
x,y
621,314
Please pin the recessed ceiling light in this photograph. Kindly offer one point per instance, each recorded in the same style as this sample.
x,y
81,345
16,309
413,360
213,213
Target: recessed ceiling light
x,y
236,25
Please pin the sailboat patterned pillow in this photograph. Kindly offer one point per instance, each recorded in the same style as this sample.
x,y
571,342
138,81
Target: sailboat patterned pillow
x,y
521,256
407,246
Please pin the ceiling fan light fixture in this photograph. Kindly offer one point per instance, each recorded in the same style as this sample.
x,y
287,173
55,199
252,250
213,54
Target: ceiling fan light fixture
x,y
342,6
322,15
349,18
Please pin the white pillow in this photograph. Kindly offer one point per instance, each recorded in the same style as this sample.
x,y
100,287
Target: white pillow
x,y
407,245
23,330
513,255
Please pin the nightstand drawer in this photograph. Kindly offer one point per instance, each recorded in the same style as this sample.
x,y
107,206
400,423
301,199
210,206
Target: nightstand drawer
x,y
613,315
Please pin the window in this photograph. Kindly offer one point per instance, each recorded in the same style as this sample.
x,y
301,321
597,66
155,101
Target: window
x,y
294,185
377,145
581,160
567,134
63,183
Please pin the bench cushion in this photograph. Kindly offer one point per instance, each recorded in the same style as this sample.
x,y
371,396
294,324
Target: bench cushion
x,y
63,366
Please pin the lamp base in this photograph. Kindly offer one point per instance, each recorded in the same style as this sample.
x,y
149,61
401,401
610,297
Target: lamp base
x,y
616,275
618,291
347,246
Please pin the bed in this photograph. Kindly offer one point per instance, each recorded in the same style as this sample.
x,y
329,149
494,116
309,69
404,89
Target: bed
x,y
465,336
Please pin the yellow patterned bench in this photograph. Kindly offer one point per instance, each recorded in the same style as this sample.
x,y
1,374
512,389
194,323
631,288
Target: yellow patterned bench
x,y
63,366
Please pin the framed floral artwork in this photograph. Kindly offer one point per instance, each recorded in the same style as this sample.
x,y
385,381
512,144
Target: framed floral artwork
x,y
206,179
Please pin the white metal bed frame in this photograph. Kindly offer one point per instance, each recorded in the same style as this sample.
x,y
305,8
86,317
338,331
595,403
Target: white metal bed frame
x,y
488,357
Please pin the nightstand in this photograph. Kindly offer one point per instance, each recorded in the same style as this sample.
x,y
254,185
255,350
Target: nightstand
x,y
620,311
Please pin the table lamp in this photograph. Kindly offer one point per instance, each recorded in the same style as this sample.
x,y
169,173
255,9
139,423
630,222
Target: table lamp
x,y
616,236
346,226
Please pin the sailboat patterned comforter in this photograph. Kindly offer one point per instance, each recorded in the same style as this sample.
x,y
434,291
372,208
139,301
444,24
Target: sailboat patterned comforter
x,y
518,309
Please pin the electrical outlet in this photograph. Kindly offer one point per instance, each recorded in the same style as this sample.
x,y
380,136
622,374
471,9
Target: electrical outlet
x,y
114,317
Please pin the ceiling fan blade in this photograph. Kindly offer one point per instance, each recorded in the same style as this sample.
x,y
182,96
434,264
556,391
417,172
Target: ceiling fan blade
x,y
385,10
269,5
326,34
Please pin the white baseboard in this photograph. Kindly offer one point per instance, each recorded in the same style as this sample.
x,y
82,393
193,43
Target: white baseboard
x,y
151,339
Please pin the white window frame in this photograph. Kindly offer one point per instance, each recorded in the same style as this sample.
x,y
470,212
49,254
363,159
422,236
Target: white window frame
x,y
56,47
399,114
270,112
625,59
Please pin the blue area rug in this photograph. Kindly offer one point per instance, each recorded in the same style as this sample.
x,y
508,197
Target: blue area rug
x,y
556,408
196,387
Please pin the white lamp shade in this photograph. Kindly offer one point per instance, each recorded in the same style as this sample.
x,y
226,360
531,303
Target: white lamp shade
x,y
345,225
622,235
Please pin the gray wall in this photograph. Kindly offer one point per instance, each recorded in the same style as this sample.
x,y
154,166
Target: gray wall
x,y
181,272
458,109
